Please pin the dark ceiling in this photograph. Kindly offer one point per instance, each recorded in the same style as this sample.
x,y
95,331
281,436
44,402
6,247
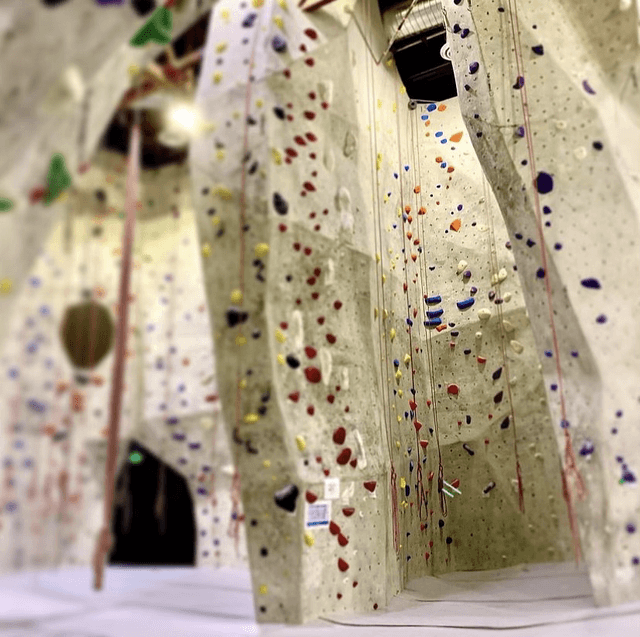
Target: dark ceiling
x,y
154,154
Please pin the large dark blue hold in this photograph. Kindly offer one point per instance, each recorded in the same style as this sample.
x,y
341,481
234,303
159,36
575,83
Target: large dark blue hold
x,y
278,43
432,300
433,322
593,284
235,316
249,20
281,206
463,305
544,183
435,313
286,497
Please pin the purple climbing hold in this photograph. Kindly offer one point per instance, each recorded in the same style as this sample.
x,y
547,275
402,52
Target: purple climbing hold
x,y
544,183
538,49
473,67
520,131
593,284
519,82
587,87
601,319
249,20
279,45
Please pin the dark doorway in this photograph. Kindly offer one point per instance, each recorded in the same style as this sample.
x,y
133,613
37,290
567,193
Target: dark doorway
x,y
153,519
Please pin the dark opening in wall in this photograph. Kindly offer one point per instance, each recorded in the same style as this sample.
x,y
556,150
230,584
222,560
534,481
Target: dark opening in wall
x,y
153,514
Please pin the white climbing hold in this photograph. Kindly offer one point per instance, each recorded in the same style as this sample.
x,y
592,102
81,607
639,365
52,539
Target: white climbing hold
x,y
326,364
484,313
478,335
502,274
517,347
507,297
461,266
508,327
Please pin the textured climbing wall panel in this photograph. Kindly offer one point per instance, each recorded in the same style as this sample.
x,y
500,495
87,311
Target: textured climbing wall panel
x,y
331,217
56,416
549,98
63,71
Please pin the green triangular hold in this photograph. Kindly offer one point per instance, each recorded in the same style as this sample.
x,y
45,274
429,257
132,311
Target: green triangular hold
x,y
5,204
157,29
58,179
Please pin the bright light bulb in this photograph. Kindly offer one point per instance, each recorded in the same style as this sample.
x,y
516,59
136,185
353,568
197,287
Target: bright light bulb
x,y
185,117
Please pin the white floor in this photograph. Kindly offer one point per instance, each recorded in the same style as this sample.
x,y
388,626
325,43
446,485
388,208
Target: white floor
x,y
541,601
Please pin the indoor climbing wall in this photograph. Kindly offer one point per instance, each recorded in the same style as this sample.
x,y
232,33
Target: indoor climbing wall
x,y
380,381
550,99
54,436
64,66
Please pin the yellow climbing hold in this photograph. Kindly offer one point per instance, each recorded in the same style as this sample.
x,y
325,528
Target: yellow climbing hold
x,y
403,90
133,70
225,14
384,278
277,156
309,540
379,161
261,250
392,333
243,383
398,375
399,418
259,103
250,419
241,340
5,286
397,441
220,47
280,359
217,77
236,296
400,393
223,192
377,258
206,250
220,154
407,359
215,220
263,588
266,463
277,20
302,445
403,483
280,337
394,107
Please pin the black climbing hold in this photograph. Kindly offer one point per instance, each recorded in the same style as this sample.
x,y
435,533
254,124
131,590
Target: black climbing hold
x,y
278,43
100,195
286,497
235,316
279,112
498,397
505,423
497,373
143,7
281,206
538,49
293,362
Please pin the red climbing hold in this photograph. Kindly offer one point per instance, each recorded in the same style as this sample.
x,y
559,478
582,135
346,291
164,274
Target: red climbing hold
x,y
424,444
310,33
295,396
311,497
342,565
348,511
418,425
453,389
342,540
413,405
331,339
313,374
343,456
370,485
310,352
354,463
320,320
456,483
339,435
337,305
334,529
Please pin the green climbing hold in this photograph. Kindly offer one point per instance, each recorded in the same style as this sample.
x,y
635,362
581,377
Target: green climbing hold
x,y
135,457
157,29
58,179
5,204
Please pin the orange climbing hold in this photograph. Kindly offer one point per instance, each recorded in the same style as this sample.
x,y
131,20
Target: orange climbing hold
x,y
422,211
456,137
416,189
442,107
455,225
